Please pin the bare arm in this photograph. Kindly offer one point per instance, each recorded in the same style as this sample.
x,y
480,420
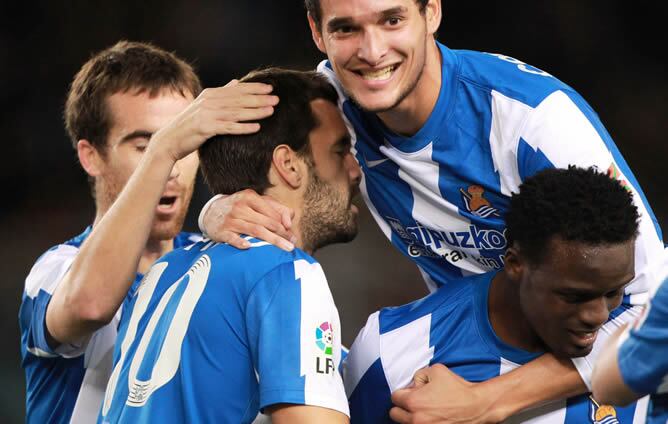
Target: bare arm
x,y
223,219
607,383
441,396
98,280
296,414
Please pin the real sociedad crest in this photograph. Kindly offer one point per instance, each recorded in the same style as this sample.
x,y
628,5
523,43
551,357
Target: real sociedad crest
x,y
476,203
602,414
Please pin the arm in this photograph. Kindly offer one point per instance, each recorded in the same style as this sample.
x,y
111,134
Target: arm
x,y
224,218
607,384
91,292
297,414
439,395
294,339
636,361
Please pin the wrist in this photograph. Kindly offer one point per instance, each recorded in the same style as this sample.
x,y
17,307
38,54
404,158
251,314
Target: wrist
x,y
202,213
498,409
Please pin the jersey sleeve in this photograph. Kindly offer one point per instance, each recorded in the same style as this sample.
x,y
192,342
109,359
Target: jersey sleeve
x,y
295,338
42,281
643,354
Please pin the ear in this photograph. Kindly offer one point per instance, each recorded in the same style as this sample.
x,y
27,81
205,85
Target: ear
x,y
289,167
514,263
90,158
316,34
433,16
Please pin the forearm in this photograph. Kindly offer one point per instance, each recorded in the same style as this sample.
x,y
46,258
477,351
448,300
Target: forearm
x,y
607,383
542,380
104,269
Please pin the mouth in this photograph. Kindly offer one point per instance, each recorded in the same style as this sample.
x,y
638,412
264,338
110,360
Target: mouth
x,y
382,74
167,204
583,338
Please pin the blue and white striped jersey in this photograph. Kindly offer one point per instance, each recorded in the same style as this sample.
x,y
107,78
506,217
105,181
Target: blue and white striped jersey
x,y
440,195
214,333
451,326
643,353
65,384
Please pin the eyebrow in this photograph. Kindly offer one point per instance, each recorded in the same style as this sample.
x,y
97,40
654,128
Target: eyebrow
x,y
135,134
336,23
344,141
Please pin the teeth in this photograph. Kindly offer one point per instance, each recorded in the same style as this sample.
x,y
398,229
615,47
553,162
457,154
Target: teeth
x,y
381,74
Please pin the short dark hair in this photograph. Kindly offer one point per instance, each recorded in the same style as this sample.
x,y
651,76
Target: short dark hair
x,y
231,163
123,67
575,204
313,9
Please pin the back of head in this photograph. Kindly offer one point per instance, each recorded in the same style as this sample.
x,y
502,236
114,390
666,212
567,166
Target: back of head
x,y
231,163
124,67
575,204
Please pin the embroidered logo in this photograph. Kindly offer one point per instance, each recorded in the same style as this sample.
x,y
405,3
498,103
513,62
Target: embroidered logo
x,y
476,203
602,414
324,341
613,172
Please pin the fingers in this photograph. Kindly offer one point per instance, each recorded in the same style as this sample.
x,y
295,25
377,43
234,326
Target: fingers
x,y
400,415
233,239
421,377
260,232
400,397
286,213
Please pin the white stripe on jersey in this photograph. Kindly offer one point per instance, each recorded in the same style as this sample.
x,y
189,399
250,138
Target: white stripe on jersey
x,y
315,293
508,117
50,269
421,174
400,365
367,352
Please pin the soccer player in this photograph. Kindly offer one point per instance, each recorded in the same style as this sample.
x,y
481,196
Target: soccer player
x,y
214,333
443,138
117,103
635,362
564,275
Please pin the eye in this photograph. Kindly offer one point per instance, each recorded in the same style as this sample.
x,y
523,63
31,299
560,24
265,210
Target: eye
x,y
344,29
141,147
394,20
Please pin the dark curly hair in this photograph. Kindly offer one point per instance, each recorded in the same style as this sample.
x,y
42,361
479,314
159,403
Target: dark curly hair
x,y
575,204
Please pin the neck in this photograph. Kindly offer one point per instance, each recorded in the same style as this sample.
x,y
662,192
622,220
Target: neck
x,y
506,316
412,112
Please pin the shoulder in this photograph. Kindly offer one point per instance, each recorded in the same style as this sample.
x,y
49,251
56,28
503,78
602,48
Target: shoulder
x,y
506,76
455,295
50,268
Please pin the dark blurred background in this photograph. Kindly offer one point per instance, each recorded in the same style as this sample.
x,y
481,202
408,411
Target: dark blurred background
x,y
608,50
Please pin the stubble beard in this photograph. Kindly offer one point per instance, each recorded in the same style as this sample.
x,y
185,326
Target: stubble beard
x,y
327,217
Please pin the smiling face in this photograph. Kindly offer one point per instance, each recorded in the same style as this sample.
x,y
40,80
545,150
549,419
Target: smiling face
x,y
134,118
569,295
378,48
329,216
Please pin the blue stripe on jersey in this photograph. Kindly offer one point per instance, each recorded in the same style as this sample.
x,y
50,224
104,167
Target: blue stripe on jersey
x,y
273,310
371,406
530,161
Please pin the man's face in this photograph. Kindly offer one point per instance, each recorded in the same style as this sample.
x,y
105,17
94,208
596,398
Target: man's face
x,y
377,48
570,294
134,118
329,215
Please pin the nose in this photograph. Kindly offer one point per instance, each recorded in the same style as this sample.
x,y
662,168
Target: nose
x,y
372,47
595,313
354,171
176,170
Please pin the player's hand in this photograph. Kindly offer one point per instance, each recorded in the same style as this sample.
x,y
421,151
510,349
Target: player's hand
x,y
246,212
440,396
223,110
